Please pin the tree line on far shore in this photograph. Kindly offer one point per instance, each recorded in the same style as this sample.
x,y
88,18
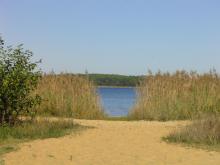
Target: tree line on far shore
x,y
114,80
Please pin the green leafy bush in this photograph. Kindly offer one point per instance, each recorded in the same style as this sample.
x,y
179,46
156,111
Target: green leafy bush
x,y
18,78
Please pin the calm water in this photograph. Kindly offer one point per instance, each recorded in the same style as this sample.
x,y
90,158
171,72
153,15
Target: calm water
x,y
117,101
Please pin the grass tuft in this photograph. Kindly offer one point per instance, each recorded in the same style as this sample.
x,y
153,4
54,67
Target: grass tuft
x,y
202,132
37,129
6,149
31,130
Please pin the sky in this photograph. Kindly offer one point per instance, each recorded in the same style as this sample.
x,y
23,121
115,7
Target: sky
x,y
115,36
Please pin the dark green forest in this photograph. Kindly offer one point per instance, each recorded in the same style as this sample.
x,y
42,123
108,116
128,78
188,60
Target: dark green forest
x,y
113,80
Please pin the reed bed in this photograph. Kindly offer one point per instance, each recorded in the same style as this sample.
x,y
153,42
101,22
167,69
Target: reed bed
x,y
69,96
178,96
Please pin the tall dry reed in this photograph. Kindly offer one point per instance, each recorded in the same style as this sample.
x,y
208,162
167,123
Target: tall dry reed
x,y
70,96
181,95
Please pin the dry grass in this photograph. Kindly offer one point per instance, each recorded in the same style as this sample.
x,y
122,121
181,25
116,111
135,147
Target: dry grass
x,y
70,96
205,131
36,129
177,96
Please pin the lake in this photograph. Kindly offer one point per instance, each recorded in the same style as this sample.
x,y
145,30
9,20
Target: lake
x,y
117,101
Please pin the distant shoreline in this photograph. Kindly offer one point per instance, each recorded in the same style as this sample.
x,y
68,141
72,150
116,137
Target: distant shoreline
x,y
116,86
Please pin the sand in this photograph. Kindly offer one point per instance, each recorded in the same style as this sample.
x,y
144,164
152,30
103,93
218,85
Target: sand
x,y
112,143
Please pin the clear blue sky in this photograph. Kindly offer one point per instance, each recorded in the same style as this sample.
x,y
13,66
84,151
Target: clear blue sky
x,y
116,36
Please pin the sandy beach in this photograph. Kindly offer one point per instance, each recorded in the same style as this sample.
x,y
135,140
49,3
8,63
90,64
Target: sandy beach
x,y
112,143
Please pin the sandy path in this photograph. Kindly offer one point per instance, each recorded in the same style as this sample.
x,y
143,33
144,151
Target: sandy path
x,y
112,143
